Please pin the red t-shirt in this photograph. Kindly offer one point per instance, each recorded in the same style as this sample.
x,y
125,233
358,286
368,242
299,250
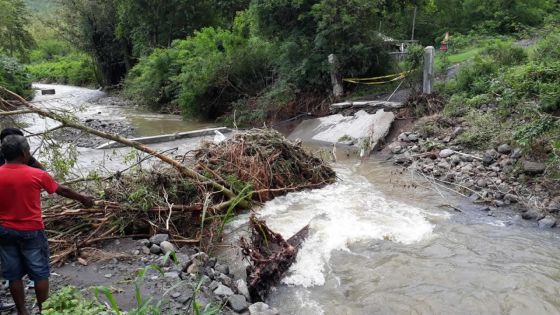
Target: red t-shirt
x,y
20,196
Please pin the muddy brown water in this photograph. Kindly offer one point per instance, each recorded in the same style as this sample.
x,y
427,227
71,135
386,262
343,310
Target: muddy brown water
x,y
381,240
384,242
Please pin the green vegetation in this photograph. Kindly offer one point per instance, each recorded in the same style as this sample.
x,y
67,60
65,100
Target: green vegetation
x,y
510,94
14,77
75,68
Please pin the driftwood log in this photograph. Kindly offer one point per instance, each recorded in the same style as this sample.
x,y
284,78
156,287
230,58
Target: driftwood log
x,y
270,256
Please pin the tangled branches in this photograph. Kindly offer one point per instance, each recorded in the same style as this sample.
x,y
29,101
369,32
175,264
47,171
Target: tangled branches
x,y
264,159
258,165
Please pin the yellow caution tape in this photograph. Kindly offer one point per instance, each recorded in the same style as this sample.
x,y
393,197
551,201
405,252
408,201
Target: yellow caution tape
x,y
377,78
401,76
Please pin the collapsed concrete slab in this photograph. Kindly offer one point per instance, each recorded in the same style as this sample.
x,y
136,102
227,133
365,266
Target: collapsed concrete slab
x,y
362,129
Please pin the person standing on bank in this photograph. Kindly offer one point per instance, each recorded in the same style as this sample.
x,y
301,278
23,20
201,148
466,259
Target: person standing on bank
x,y
33,163
24,247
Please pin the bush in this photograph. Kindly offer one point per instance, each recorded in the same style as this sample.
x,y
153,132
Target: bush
x,y
69,300
14,77
204,74
506,53
547,48
75,69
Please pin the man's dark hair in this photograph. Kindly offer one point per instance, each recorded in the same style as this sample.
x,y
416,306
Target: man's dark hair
x,y
9,132
13,147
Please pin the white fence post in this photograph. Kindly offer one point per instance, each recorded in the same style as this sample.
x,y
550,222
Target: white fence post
x,y
428,82
336,79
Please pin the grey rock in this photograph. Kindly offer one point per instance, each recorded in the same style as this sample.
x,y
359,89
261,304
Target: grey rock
x,y
533,168
145,250
532,214
457,131
403,137
402,159
444,165
202,257
213,285
413,137
144,242
504,149
188,250
222,268
158,238
135,252
493,153
242,288
184,299
395,149
212,262
487,159
516,153
511,198
446,153
225,280
238,303
222,290
261,308
455,160
155,249
481,183
167,247
171,275
547,222
210,272
175,295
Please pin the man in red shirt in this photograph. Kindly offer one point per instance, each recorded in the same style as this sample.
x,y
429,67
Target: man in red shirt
x,y
24,248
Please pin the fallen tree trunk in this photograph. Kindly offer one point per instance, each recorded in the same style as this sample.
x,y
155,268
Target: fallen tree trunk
x,y
270,256
67,122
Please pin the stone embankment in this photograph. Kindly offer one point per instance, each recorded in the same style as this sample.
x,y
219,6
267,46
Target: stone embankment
x,y
497,177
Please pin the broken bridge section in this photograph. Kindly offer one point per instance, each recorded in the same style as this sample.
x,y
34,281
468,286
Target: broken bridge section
x,y
366,131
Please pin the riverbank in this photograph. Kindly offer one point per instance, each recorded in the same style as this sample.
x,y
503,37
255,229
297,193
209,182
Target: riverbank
x,y
495,178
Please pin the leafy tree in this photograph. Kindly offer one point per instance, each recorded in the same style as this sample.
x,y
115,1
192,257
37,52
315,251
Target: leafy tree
x,y
307,31
91,25
15,40
14,77
154,23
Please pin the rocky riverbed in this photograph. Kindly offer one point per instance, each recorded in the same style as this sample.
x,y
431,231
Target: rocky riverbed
x,y
195,277
498,177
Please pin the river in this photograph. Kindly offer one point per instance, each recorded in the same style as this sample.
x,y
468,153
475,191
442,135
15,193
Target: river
x,y
383,242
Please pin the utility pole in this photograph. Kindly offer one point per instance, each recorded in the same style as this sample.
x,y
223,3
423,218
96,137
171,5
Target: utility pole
x,y
414,22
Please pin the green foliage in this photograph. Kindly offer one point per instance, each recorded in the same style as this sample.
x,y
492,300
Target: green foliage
x,y
485,131
547,48
14,77
308,31
15,39
75,69
69,301
204,74
435,17
506,53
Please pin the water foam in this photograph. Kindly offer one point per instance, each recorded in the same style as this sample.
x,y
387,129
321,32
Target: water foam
x,y
349,211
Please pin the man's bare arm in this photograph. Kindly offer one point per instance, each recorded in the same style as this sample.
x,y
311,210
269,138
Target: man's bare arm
x,y
64,191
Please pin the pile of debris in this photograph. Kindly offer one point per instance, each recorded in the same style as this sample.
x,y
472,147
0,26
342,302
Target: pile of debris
x,y
256,165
